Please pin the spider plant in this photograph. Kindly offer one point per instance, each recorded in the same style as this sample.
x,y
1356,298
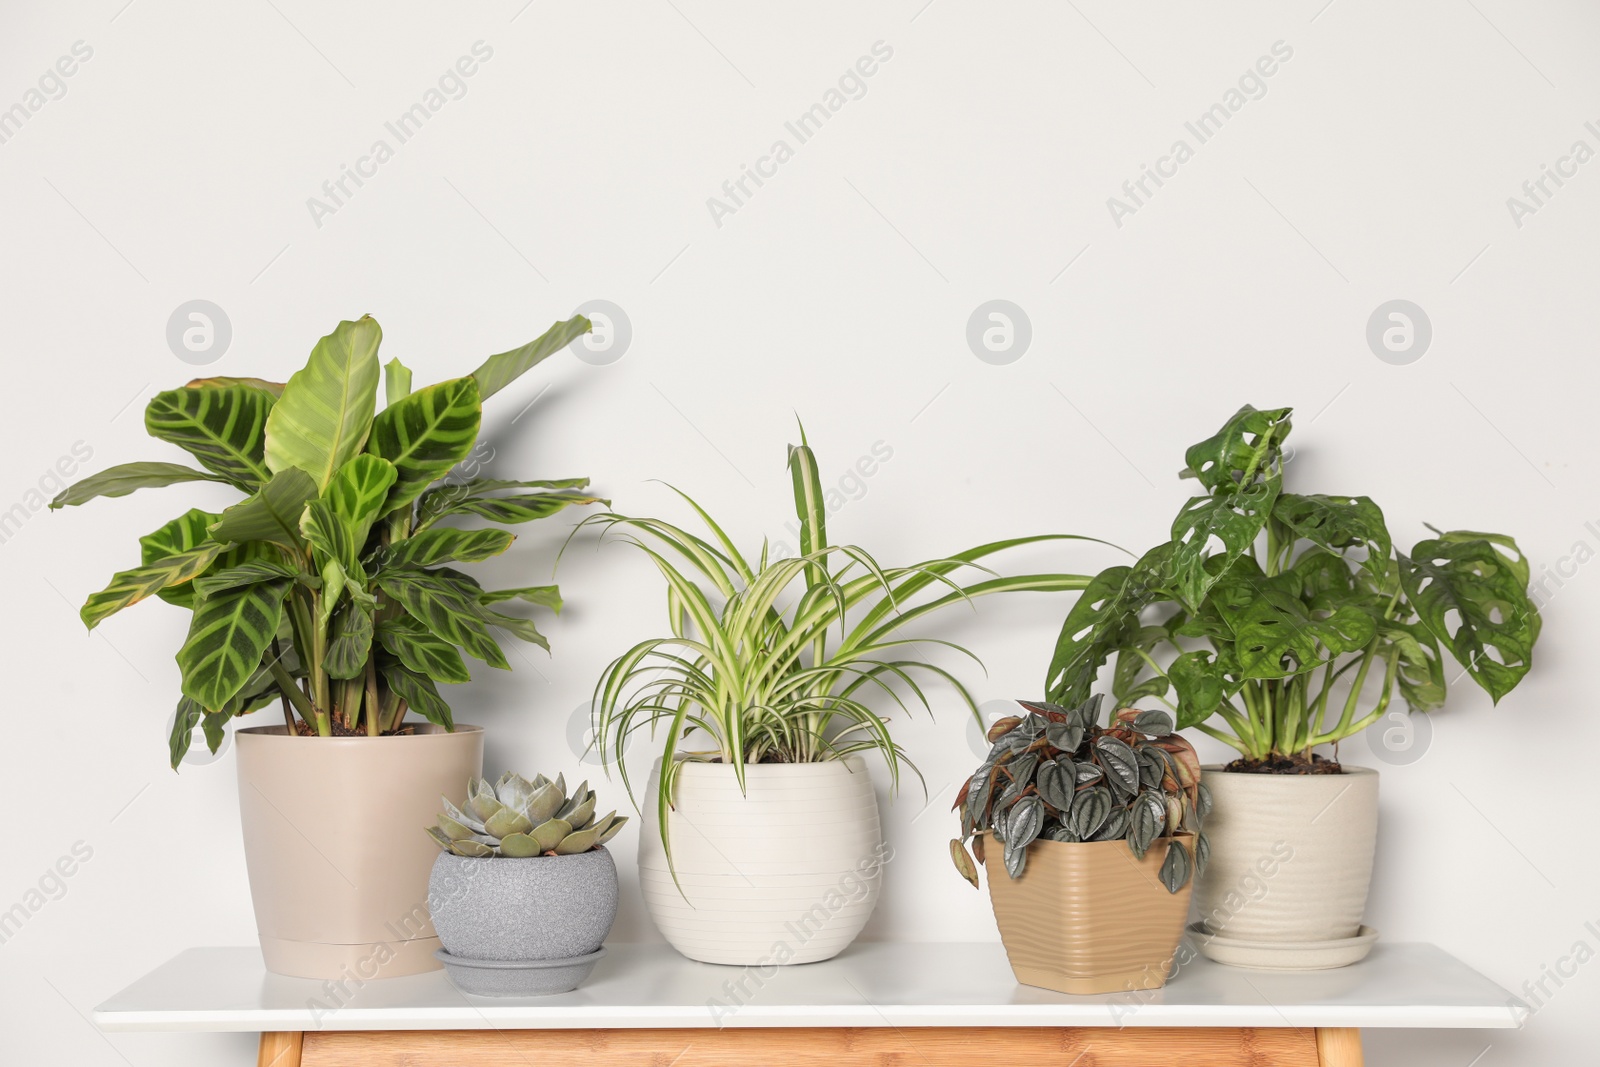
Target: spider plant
x,y
778,662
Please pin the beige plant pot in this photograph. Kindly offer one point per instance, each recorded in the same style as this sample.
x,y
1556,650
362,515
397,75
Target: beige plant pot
x,y
1088,917
1291,855
335,845
786,872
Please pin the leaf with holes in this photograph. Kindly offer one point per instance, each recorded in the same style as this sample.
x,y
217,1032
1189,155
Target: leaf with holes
x,y
1233,519
227,636
1337,523
326,409
1249,446
1420,670
1474,599
1104,616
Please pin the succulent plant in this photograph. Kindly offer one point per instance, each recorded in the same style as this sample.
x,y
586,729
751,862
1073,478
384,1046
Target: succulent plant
x,y
1054,774
518,818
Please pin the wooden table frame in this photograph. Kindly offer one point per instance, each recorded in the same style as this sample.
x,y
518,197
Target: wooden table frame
x,y
974,1046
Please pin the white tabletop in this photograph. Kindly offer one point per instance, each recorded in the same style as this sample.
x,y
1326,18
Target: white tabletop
x,y
870,984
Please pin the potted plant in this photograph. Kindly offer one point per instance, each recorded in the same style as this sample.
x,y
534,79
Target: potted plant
x,y
1280,623
325,591
763,843
524,891
1091,839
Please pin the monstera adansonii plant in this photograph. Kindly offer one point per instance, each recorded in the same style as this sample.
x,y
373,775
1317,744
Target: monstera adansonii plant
x,y
1265,604
326,589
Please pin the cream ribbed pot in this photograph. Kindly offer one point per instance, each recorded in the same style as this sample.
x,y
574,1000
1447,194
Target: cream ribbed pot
x,y
786,872
1291,855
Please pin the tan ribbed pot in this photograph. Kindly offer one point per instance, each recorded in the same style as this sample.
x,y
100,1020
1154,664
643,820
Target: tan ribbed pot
x,y
1291,854
335,846
787,871
1087,917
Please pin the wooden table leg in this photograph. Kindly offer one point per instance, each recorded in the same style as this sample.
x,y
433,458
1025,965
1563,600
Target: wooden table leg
x,y
280,1049
1339,1046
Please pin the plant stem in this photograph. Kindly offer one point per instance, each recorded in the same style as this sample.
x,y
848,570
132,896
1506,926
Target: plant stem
x,y
373,713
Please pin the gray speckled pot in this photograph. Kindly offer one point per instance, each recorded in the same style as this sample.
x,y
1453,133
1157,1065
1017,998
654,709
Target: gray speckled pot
x,y
539,908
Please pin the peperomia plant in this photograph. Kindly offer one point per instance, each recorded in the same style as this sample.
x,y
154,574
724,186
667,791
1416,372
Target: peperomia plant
x,y
1266,604
1055,774
325,588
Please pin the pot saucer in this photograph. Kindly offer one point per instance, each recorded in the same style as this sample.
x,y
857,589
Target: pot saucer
x,y
1283,955
518,978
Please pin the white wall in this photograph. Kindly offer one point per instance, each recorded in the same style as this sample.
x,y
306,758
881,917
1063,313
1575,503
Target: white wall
x,y
977,165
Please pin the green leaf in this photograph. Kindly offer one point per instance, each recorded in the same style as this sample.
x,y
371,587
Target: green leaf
x,y
326,409
189,530
434,502
518,509
1337,523
425,434
810,507
547,596
334,553
227,636
358,492
396,381
522,628
1201,683
274,389
430,547
272,514
1126,686
1248,447
188,717
419,693
1277,637
1104,616
1235,519
445,609
1420,672
131,586
246,573
1474,599
127,478
349,641
500,371
224,427
415,646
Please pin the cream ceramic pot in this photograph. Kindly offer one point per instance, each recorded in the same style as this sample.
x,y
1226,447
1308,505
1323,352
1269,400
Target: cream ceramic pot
x,y
787,872
1291,854
334,843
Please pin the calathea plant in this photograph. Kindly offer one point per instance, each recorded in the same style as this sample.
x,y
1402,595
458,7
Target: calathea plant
x,y
326,587
1279,621
1055,774
519,819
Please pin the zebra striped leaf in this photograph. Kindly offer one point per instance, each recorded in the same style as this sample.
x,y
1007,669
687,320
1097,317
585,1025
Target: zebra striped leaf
x,y
424,435
420,693
429,547
223,427
131,586
227,636
358,491
349,641
326,409
445,609
516,509
422,652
